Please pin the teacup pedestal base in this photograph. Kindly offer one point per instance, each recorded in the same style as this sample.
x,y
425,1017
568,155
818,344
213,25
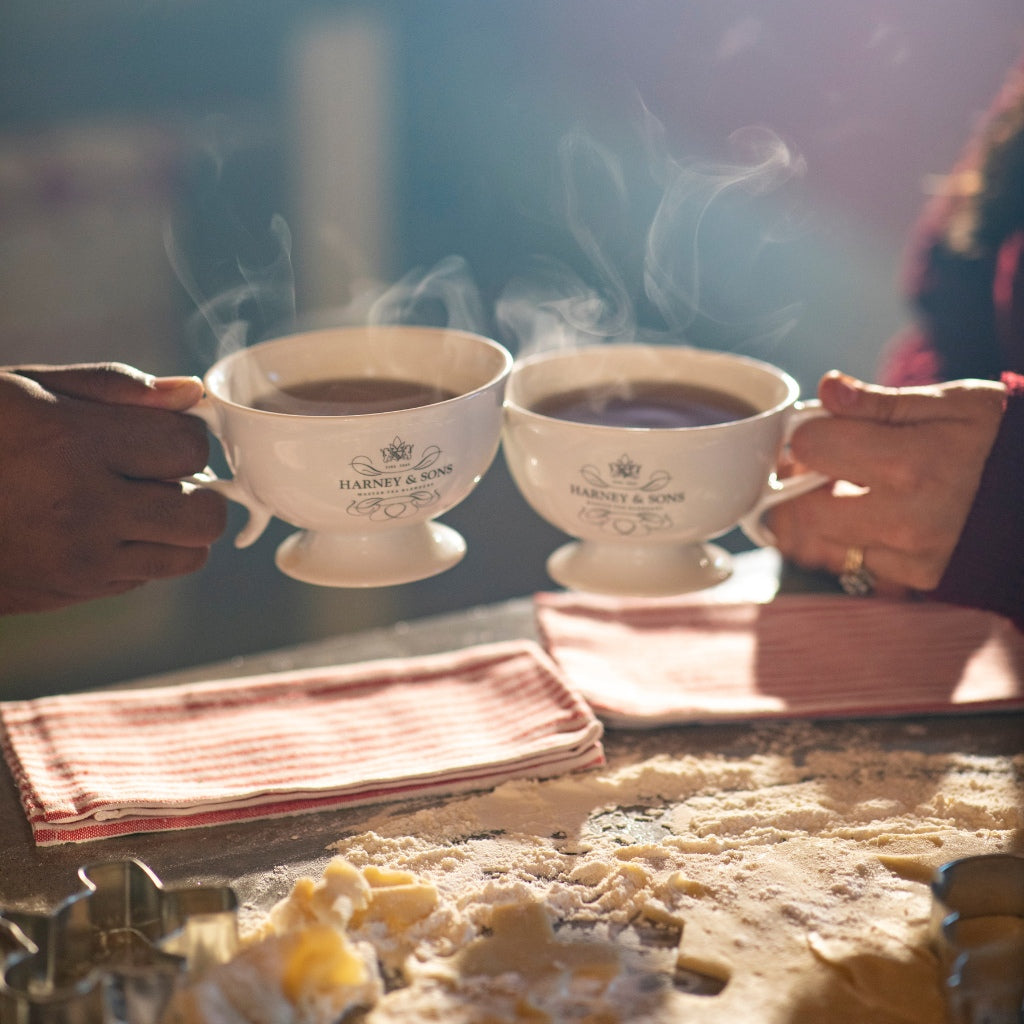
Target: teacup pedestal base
x,y
384,559
639,570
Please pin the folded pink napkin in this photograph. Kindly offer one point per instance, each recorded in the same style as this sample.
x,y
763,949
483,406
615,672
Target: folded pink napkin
x,y
99,764
662,661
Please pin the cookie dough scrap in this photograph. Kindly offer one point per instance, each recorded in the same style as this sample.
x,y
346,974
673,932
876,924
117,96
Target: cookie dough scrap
x,y
796,887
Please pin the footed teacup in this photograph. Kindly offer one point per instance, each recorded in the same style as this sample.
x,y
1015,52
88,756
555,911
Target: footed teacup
x,y
360,437
646,452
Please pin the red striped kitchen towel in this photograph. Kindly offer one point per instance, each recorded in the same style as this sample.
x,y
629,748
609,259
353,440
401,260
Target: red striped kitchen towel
x,y
107,763
644,663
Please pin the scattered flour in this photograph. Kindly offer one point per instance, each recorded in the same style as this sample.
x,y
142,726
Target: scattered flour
x,y
767,888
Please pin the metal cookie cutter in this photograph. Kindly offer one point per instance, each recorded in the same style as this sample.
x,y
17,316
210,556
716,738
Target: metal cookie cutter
x,y
114,952
977,929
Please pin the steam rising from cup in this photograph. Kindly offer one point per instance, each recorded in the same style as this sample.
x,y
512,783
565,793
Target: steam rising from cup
x,y
691,262
697,266
265,294
677,252
446,296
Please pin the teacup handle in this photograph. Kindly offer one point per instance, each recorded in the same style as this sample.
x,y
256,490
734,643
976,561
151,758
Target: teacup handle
x,y
782,489
259,516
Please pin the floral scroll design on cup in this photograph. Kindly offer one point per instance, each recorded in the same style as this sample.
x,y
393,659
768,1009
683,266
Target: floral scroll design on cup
x,y
402,493
619,501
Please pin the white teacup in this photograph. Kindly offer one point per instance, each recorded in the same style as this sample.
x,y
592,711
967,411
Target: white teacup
x,y
643,501
364,487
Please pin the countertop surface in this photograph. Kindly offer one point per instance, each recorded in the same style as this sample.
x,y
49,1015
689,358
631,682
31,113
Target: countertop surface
x,y
261,859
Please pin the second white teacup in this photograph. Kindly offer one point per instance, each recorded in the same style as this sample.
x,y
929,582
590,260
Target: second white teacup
x,y
361,437
644,453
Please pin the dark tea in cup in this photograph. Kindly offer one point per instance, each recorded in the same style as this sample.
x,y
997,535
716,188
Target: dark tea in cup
x,y
350,396
645,403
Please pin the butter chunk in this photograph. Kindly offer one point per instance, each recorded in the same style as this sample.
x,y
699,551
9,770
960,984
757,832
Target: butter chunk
x,y
382,878
312,976
322,959
397,906
341,891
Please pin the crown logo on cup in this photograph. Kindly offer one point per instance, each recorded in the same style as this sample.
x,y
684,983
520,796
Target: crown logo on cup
x,y
624,468
397,451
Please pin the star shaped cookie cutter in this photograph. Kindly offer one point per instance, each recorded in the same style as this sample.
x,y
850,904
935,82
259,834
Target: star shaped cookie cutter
x,y
977,930
113,952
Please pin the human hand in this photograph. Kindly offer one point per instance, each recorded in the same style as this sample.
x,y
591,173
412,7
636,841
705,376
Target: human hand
x,y
915,456
90,499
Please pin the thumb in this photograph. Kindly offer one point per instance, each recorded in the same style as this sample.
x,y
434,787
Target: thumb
x,y
843,395
116,384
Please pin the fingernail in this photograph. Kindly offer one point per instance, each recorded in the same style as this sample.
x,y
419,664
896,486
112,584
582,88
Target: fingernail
x,y
173,383
843,390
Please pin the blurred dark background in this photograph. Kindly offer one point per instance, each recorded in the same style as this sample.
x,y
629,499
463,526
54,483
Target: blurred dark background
x,y
150,151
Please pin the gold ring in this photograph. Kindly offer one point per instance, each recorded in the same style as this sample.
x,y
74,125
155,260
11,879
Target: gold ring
x,y
855,578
